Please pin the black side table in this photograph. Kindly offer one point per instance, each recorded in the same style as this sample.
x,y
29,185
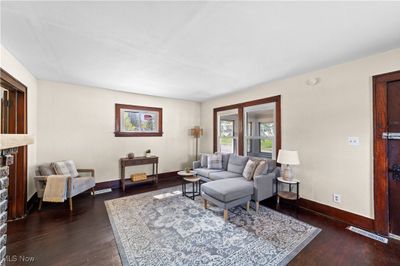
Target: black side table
x,y
195,187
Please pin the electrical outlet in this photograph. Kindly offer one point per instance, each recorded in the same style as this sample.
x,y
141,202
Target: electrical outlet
x,y
353,141
337,198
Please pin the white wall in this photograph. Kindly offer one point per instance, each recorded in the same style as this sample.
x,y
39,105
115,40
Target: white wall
x,y
316,121
77,122
10,64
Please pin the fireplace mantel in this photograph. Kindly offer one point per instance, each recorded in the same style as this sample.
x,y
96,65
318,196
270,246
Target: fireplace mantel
x,y
8,141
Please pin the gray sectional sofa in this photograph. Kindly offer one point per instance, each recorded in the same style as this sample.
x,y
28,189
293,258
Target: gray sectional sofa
x,y
232,168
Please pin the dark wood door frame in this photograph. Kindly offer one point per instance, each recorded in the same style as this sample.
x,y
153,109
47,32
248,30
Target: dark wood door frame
x,y
381,166
240,107
18,185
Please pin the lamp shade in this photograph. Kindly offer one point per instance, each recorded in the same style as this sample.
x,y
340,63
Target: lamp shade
x,y
288,157
196,132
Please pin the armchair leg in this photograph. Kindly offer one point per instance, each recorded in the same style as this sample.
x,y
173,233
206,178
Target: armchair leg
x,y
70,204
40,203
248,206
93,192
257,206
205,204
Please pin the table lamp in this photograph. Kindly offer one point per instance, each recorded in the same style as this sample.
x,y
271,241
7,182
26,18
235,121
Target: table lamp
x,y
288,158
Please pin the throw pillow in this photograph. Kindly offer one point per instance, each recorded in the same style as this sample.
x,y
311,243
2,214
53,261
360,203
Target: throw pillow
x,y
249,169
61,168
46,170
214,161
203,160
72,168
260,168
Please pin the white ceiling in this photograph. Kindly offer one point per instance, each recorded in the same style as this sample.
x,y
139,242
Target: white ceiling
x,y
191,50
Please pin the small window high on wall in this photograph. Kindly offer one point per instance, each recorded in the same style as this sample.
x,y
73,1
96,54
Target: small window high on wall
x,y
250,128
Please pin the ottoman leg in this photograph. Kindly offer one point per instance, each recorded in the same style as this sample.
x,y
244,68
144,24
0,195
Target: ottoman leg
x,y
225,215
205,204
257,205
248,206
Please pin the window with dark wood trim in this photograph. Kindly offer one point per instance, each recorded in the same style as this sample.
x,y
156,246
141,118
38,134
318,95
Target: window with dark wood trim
x,y
138,121
240,107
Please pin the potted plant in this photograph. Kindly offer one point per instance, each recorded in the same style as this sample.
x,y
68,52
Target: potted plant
x,y
147,153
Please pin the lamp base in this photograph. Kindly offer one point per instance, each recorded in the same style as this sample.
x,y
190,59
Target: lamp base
x,y
287,173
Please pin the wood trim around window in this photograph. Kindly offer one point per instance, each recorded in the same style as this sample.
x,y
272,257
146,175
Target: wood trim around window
x,y
240,107
381,167
119,133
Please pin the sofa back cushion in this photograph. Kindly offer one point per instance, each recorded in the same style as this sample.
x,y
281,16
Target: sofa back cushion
x,y
46,170
271,166
214,161
225,159
203,160
237,163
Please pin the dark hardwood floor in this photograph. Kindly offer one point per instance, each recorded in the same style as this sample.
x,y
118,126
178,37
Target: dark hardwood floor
x,y
56,236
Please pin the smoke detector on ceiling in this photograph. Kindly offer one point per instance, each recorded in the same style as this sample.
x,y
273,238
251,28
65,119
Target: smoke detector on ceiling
x,y
312,82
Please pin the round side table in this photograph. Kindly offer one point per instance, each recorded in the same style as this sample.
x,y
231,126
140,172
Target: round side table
x,y
289,195
187,178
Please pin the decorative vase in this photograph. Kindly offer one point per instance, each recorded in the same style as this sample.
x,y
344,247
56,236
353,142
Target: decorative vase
x,y
131,155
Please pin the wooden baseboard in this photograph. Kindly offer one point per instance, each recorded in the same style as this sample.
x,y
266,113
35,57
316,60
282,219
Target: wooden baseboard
x,y
337,214
117,184
32,202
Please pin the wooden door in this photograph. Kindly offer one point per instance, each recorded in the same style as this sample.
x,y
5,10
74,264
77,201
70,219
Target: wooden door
x,y
393,92
14,121
387,153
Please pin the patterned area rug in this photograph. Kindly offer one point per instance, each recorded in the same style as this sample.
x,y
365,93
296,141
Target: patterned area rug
x,y
175,230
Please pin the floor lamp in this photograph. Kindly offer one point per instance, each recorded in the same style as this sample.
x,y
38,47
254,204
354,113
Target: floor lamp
x,y
196,132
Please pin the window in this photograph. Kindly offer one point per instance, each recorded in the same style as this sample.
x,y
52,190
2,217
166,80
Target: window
x,y
131,120
227,131
255,126
249,132
266,136
227,142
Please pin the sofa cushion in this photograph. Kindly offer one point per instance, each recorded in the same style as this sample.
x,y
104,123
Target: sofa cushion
x,y
271,166
61,168
260,168
226,190
81,184
249,169
214,161
225,159
205,171
203,160
46,170
222,175
72,168
237,163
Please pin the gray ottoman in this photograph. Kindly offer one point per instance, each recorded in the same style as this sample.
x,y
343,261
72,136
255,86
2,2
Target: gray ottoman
x,y
227,193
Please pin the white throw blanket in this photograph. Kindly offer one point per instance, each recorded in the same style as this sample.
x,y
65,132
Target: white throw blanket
x,y
56,188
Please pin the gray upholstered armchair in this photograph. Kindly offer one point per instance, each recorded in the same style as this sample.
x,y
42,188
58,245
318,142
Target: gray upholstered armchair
x,y
82,181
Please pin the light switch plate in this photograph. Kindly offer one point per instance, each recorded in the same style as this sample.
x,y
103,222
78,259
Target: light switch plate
x,y
353,141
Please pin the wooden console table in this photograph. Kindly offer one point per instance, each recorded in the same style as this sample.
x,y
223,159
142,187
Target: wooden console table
x,y
124,162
